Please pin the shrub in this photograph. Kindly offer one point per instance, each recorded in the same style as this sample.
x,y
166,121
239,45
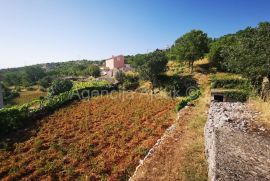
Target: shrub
x,y
120,76
93,70
13,118
127,81
45,82
176,85
131,82
10,94
237,95
230,83
184,102
60,86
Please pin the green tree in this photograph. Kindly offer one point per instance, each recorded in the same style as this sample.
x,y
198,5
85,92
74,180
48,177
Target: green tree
x,y
32,74
45,82
250,55
60,86
120,76
151,65
93,70
192,46
217,51
12,78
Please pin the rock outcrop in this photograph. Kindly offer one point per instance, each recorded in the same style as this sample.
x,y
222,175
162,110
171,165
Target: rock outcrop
x,y
236,148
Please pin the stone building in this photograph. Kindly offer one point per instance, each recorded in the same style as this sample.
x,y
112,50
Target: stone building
x,y
114,64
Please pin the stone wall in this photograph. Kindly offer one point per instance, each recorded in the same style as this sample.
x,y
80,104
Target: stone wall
x,y
236,149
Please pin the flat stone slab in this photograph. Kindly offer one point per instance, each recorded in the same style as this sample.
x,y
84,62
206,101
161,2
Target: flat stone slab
x,y
235,148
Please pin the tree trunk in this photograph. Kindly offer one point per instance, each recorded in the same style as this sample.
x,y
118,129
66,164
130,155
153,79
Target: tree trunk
x,y
192,62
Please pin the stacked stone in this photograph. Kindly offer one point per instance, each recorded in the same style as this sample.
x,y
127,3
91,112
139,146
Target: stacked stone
x,y
265,94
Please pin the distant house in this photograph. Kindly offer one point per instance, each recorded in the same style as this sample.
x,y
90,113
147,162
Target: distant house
x,y
115,64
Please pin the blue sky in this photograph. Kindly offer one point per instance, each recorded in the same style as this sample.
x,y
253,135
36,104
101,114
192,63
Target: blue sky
x,y
39,31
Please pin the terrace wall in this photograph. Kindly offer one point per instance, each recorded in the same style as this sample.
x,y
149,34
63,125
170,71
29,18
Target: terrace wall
x,y
236,149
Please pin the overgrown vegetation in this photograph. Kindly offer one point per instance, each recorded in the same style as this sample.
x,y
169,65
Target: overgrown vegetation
x,y
44,74
150,66
60,86
246,52
237,95
127,81
230,83
17,116
184,102
176,85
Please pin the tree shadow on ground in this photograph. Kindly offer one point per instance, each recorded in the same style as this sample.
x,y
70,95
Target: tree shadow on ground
x,y
205,68
177,85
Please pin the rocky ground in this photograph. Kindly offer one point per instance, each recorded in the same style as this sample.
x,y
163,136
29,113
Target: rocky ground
x,y
236,147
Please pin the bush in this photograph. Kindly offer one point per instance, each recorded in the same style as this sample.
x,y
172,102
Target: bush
x,y
184,102
131,82
93,70
120,76
237,95
45,82
8,95
127,81
176,85
12,118
60,86
230,83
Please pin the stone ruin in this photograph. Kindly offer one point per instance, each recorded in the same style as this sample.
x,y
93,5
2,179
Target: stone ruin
x,y
265,93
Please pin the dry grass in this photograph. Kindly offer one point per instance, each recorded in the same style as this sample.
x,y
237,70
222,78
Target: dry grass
x,y
27,96
222,75
174,67
194,166
263,108
100,139
181,154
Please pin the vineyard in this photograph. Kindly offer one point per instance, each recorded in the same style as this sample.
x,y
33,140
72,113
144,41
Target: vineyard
x,y
101,138
15,117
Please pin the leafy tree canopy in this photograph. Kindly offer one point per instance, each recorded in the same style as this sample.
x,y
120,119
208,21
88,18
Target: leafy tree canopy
x,y
60,86
192,46
151,65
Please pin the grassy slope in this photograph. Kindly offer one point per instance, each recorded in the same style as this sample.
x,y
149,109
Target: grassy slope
x,y
181,154
257,104
194,165
27,96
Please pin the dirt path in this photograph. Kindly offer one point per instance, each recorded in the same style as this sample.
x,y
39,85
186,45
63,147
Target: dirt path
x,y
180,155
